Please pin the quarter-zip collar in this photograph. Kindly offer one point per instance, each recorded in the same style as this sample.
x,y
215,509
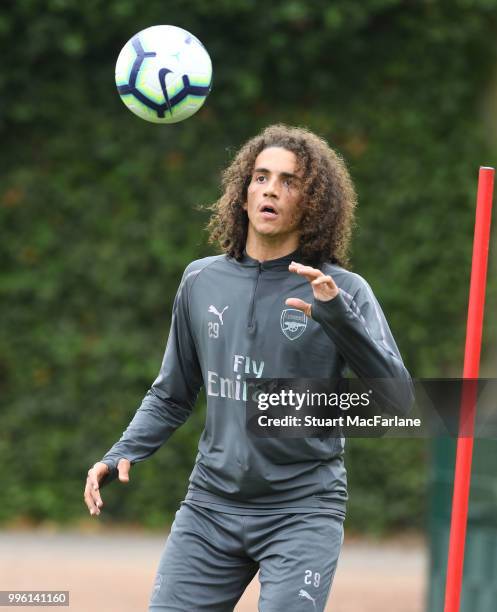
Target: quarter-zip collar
x,y
280,262
278,266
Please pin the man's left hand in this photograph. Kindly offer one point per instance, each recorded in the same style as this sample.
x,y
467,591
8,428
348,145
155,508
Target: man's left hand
x,y
323,287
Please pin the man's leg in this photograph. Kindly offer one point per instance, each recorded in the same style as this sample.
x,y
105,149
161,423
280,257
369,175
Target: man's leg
x,y
203,566
298,555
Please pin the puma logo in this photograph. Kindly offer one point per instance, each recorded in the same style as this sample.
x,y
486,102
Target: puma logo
x,y
215,311
305,595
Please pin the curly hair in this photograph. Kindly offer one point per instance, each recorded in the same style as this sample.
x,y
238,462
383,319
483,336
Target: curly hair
x,y
328,196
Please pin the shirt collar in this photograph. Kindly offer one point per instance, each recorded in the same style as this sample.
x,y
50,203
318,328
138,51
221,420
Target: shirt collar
x,y
271,263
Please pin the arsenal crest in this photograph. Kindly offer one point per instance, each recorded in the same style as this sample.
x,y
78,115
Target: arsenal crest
x,y
293,323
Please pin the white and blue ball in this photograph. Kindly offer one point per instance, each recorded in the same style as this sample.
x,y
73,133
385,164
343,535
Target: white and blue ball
x,y
164,74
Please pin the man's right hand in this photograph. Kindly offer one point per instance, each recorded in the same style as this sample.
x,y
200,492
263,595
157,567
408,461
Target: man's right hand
x,y
95,475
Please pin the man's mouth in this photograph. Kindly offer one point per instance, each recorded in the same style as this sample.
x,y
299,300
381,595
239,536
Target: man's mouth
x,y
268,211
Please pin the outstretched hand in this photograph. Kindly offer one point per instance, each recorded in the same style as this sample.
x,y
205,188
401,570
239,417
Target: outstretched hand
x,y
96,474
323,287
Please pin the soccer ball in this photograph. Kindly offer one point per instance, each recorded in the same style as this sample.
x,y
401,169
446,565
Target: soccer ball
x,y
163,74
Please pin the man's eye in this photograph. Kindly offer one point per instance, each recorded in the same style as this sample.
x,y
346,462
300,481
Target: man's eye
x,y
260,179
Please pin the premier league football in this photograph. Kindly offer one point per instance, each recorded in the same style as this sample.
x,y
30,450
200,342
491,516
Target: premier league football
x,y
163,74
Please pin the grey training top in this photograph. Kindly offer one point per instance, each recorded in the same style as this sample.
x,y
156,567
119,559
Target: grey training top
x,y
230,323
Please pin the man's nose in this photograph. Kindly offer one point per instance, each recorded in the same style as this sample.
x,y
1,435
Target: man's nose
x,y
271,189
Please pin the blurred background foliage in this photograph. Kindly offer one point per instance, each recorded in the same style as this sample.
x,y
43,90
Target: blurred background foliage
x,y
99,215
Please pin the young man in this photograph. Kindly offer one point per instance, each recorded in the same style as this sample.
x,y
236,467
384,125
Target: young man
x,y
274,505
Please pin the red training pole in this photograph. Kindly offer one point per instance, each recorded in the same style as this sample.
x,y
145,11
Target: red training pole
x,y
472,351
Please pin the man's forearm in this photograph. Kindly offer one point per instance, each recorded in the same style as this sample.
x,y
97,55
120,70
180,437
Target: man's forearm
x,y
152,425
367,357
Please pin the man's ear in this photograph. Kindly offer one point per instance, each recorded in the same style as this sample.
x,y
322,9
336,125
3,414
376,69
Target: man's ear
x,y
244,205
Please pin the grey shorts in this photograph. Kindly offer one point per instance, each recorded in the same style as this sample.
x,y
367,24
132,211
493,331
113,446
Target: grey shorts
x,y
210,557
